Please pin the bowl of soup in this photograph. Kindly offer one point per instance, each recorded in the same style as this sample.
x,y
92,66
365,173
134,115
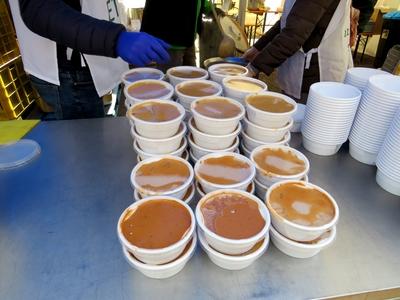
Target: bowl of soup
x,y
220,71
156,230
163,175
250,143
137,74
270,109
156,119
301,211
187,198
250,189
227,170
279,163
189,91
198,152
239,87
233,221
179,74
264,134
181,151
146,90
217,115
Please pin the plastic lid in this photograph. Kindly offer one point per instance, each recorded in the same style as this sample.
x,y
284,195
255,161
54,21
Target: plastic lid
x,y
17,154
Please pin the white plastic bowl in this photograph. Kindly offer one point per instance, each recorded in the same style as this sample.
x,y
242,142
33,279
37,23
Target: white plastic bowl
x,y
268,178
361,155
132,100
320,148
220,77
162,255
174,80
387,183
243,150
238,94
300,250
251,188
251,143
185,156
162,271
144,155
209,187
270,119
187,100
178,192
297,232
213,142
156,72
217,126
198,152
157,130
187,198
231,246
160,146
267,135
232,262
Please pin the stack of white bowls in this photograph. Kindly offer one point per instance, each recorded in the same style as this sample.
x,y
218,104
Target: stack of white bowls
x,y
233,254
300,241
152,139
331,107
210,135
266,128
388,160
359,76
380,102
159,263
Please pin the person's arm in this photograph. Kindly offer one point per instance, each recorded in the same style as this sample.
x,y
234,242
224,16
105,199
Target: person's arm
x,y
268,36
300,24
55,20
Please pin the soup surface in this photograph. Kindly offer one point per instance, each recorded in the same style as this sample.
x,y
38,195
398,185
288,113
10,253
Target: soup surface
x,y
155,112
156,224
270,103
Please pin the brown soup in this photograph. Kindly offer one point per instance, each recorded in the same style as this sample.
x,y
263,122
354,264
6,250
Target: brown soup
x,y
229,71
224,170
187,73
217,108
232,215
148,90
270,103
244,85
279,162
302,204
135,76
162,175
198,89
156,224
155,112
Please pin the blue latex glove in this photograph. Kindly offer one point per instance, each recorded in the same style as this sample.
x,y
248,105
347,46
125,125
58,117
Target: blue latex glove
x,y
140,48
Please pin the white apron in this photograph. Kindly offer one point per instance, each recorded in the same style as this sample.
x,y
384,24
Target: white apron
x,y
39,54
334,53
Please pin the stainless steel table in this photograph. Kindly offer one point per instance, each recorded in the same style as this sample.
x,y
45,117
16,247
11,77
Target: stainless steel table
x,y
58,219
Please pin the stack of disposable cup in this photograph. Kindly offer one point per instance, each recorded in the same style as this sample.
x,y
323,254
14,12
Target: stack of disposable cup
x,y
359,76
379,104
388,160
330,111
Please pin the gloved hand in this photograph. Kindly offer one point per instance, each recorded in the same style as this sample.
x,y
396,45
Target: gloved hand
x,y
140,48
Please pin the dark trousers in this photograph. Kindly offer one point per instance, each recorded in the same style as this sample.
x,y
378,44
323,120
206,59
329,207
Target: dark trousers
x,y
75,98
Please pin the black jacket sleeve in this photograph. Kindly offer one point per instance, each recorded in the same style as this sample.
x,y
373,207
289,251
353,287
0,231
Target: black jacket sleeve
x,y
366,8
55,20
268,36
300,24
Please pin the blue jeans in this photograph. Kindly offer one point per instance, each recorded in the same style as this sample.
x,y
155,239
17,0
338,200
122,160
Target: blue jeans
x,y
75,98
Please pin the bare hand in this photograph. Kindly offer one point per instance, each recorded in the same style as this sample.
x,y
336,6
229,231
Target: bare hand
x,y
251,54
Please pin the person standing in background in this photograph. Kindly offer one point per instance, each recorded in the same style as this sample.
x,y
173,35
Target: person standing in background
x,y
177,22
76,50
310,43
